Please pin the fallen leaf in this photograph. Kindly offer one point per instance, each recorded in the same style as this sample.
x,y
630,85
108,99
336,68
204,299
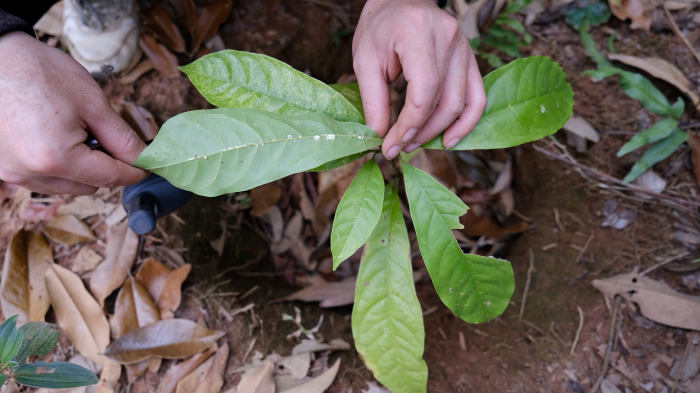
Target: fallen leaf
x,y
117,216
87,206
169,339
331,294
657,300
163,60
122,245
109,377
505,178
158,20
662,69
694,143
86,260
208,377
141,121
186,13
305,346
264,198
68,229
578,130
686,238
138,71
136,370
219,243
77,313
212,16
620,220
292,233
258,379
634,10
179,371
134,308
296,365
23,289
485,226
305,205
650,181
320,383
164,285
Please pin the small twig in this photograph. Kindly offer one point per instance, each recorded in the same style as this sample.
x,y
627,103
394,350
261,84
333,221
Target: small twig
x,y
578,331
250,291
250,348
551,329
583,250
527,284
685,254
678,32
608,178
614,325
558,220
685,356
532,325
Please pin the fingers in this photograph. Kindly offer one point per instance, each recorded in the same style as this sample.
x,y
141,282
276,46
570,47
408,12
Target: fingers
x,y
424,76
452,100
100,170
112,132
57,186
475,104
374,89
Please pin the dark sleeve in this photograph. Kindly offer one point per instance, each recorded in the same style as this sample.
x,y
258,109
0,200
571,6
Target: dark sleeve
x,y
22,15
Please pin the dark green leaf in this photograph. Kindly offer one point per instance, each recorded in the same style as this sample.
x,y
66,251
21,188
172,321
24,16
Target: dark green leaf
x,y
512,23
39,339
3,378
357,213
10,339
219,151
506,47
658,131
516,6
351,92
387,321
528,99
476,288
339,162
492,59
657,153
57,375
232,79
596,14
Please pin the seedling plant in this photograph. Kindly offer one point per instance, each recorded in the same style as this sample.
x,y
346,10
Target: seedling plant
x,y
506,34
37,339
273,121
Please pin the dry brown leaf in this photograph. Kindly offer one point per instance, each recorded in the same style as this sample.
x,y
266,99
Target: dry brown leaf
x,y
141,121
109,377
208,377
331,294
504,179
87,206
158,20
68,229
169,339
212,16
185,13
85,261
258,380
662,69
320,383
163,60
134,308
306,346
656,299
694,143
122,245
138,71
485,226
636,10
179,371
164,285
219,243
78,313
264,198
23,289
296,365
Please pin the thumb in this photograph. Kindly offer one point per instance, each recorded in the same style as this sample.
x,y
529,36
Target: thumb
x,y
374,90
113,133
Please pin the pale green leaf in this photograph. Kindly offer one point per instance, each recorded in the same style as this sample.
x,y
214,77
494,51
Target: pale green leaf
x,y
658,131
358,212
339,162
56,375
590,45
351,92
219,151
660,151
476,288
39,339
528,99
233,79
387,321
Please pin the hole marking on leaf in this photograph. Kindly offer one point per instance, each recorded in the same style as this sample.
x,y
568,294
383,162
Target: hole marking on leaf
x,y
316,137
366,283
44,370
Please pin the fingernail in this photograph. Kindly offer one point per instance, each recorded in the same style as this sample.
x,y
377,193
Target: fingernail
x,y
411,147
393,152
409,135
452,143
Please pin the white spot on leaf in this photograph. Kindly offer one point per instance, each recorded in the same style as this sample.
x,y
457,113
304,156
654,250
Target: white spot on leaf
x,y
316,137
330,137
542,109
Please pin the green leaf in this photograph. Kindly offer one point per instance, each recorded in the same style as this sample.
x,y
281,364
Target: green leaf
x,y
387,321
528,99
596,14
57,375
658,131
358,212
476,288
510,22
10,339
351,92
3,378
492,59
219,151
232,79
590,45
656,153
39,339
677,109
339,162
511,50
516,6
601,73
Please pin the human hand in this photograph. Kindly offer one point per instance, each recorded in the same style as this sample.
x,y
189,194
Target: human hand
x,y
48,101
445,89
